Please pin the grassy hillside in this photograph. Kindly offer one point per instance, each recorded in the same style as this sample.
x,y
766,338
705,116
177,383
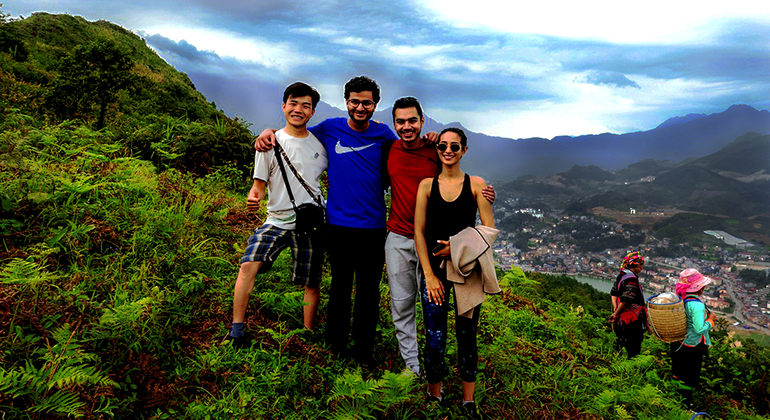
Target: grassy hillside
x,y
701,190
689,227
746,155
115,292
587,173
645,168
158,116
49,38
119,252
701,185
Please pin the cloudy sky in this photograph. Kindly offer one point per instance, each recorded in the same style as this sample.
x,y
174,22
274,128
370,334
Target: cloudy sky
x,y
539,69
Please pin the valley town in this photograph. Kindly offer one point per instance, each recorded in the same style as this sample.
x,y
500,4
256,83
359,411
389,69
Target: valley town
x,y
588,246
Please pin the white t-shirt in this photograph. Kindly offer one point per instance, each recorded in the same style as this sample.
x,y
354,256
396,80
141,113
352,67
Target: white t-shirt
x,y
309,159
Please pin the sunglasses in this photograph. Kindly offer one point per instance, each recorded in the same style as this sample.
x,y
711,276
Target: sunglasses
x,y
455,147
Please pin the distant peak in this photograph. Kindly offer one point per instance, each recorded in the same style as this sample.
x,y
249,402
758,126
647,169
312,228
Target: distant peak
x,y
457,124
680,120
740,107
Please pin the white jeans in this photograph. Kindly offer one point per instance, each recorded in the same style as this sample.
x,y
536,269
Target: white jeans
x,y
403,266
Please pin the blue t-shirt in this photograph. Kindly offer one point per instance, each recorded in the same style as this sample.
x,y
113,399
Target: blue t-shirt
x,y
357,171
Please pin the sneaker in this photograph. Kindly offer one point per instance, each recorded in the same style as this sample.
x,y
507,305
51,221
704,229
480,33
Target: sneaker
x,y
470,411
237,342
431,400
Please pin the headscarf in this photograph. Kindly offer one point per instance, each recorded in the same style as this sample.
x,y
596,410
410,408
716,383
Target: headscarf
x,y
631,260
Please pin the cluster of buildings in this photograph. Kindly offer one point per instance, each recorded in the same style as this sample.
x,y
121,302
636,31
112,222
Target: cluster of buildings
x,y
552,249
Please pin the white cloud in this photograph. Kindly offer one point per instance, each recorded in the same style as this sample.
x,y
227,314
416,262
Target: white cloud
x,y
522,120
408,52
351,41
654,21
584,108
281,56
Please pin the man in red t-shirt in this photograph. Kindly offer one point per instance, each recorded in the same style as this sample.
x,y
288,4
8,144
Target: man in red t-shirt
x,y
412,158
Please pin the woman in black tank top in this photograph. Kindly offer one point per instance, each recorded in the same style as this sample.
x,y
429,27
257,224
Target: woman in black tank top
x,y
446,218
445,206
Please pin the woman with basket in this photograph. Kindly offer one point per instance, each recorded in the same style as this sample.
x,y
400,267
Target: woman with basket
x,y
629,316
687,355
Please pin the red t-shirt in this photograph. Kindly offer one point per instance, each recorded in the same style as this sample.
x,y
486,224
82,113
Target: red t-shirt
x,y
406,169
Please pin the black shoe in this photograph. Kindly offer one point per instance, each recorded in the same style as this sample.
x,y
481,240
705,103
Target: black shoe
x,y
433,401
471,411
237,342
434,404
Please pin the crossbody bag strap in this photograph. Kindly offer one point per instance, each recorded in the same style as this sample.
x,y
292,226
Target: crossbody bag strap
x,y
299,178
285,178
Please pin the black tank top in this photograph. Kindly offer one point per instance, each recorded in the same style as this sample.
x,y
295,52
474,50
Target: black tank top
x,y
446,218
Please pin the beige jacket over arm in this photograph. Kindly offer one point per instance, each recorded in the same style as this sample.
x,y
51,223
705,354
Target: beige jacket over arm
x,y
472,267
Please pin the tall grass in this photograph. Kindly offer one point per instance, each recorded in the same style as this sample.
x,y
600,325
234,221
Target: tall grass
x,y
116,284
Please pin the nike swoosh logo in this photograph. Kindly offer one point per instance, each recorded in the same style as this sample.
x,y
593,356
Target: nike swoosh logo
x,y
340,149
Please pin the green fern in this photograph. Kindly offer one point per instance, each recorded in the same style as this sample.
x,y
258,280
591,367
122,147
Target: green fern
x,y
125,315
26,273
49,388
605,400
356,398
60,402
15,382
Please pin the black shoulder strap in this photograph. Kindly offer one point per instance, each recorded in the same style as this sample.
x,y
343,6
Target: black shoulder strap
x,y
302,182
283,173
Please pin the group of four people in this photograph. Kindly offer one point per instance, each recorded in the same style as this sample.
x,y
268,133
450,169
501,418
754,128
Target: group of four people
x,y
432,201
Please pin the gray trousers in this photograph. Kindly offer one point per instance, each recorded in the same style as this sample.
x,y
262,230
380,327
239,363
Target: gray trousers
x,y
403,266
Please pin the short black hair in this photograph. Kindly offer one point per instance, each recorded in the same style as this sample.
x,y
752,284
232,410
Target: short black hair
x,y
300,89
360,84
407,102
459,132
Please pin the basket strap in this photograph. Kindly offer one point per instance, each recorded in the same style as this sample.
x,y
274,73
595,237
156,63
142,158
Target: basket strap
x,y
652,325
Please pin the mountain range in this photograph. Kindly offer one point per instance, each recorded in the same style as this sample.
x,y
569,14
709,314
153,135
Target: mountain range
x,y
732,182
503,159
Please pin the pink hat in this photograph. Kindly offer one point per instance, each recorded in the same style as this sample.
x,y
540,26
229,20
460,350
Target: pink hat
x,y
691,280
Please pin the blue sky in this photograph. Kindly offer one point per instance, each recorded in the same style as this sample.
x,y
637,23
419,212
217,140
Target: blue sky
x,y
517,71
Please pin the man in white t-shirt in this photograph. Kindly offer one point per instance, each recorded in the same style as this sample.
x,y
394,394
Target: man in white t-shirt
x,y
309,158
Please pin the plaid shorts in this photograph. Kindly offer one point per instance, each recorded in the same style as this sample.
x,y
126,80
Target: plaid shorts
x,y
268,241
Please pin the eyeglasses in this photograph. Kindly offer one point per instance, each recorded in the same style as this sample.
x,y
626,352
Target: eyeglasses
x,y
354,103
455,147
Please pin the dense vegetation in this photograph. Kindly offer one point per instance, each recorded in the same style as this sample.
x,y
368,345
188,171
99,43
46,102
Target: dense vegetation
x,y
698,186
759,278
588,236
689,227
642,169
119,250
586,173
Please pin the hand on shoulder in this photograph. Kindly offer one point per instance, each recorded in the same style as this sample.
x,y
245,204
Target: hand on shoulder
x,y
477,183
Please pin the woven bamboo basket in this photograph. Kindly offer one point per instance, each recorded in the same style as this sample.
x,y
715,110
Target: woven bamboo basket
x,y
668,321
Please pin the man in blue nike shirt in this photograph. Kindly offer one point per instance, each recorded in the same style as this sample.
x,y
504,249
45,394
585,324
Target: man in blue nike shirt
x,y
357,148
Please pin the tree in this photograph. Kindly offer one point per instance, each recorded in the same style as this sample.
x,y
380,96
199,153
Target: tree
x,y
92,75
9,42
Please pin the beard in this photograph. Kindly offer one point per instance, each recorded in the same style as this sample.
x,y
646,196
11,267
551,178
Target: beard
x,y
357,118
